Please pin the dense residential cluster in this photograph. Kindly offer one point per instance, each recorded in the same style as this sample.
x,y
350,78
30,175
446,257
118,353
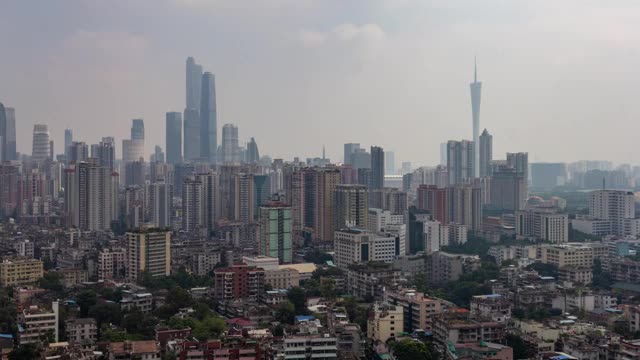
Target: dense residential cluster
x,y
210,251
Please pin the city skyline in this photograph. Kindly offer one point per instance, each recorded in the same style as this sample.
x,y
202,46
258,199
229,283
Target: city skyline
x,y
538,87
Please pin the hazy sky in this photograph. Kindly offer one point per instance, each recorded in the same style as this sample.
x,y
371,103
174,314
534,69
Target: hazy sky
x,y
560,78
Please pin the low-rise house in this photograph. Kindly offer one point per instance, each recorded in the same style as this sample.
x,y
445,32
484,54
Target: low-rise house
x,y
36,324
81,330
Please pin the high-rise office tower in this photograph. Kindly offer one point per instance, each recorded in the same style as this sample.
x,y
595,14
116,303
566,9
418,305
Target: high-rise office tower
x,y
104,152
158,155
230,147
351,207
486,153
389,163
40,149
135,206
612,205
200,202
227,190
253,155
174,137
377,167
508,189
460,161
52,152
68,140
134,173
193,84
191,134
193,204
464,206
78,151
91,196
160,204
180,171
476,93
434,200
148,252
275,238
132,150
137,129
3,130
443,154
7,133
261,191
244,198
208,119
519,162
192,110
349,150
390,199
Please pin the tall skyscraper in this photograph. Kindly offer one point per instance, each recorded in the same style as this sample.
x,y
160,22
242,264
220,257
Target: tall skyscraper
x,y
68,140
78,151
377,167
244,198
486,153
191,134
174,137
508,189
389,163
40,148
275,238
351,207
91,196
137,129
160,204
253,155
349,150
476,93
460,161
519,162
193,82
230,148
158,155
133,149
3,130
104,152
261,191
208,119
8,133
193,204
192,110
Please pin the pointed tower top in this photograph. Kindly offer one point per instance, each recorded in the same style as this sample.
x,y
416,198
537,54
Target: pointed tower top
x,y
475,70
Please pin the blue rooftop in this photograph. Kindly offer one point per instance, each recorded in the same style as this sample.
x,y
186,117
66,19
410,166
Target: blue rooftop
x,y
303,318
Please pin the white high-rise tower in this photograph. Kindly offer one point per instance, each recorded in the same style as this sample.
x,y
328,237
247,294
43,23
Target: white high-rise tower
x,y
476,92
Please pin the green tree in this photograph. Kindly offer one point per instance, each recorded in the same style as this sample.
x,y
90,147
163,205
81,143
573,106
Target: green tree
x,y
328,288
286,313
544,269
317,257
106,313
409,349
52,281
85,300
23,352
297,297
520,350
601,279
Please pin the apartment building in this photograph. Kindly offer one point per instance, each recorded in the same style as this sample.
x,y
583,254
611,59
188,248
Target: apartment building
x,y
20,271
